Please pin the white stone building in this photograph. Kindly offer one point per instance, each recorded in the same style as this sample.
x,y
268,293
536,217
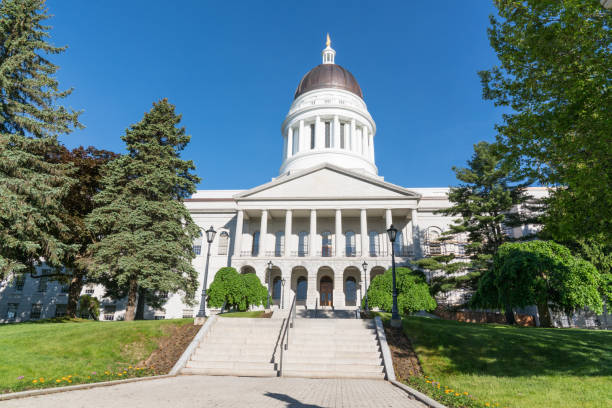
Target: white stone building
x,y
325,213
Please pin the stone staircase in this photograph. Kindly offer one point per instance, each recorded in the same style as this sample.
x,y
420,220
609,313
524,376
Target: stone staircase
x,y
238,347
333,348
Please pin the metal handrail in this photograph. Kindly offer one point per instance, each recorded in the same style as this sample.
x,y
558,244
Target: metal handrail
x,y
285,339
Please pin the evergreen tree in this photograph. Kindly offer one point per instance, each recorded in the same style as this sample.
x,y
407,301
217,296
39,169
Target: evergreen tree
x,y
31,187
144,231
483,203
555,78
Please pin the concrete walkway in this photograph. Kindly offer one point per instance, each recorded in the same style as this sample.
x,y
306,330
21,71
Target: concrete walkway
x,y
201,391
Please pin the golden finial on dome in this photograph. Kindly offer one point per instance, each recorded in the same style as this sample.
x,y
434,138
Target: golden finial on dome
x,y
328,42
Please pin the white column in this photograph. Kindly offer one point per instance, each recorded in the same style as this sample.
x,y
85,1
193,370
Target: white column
x,y
338,292
284,147
338,233
263,232
364,233
336,133
388,218
416,241
238,236
364,138
290,142
319,134
288,225
353,136
313,233
371,145
303,140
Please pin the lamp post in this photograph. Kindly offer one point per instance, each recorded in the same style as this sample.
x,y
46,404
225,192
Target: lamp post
x,y
269,269
365,283
210,236
283,293
396,321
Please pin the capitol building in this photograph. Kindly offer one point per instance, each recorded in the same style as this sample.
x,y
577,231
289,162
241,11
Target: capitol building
x,y
307,232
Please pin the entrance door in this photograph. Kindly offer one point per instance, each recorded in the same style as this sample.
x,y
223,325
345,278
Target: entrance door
x,y
326,290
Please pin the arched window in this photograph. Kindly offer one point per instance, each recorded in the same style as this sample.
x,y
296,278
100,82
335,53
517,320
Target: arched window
x,y
342,135
279,243
328,136
433,241
374,244
223,243
276,289
350,291
302,289
312,136
351,250
302,243
255,247
326,244
197,244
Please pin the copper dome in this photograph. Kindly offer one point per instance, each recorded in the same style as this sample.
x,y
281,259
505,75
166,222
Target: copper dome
x,y
328,76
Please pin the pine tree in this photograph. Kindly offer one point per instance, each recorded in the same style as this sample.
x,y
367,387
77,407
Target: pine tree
x,y
145,233
484,201
31,188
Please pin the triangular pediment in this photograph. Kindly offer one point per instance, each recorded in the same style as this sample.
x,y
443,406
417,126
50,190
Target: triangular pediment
x,y
327,182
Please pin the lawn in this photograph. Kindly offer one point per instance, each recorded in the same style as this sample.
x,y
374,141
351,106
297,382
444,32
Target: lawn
x,y
516,366
73,351
256,313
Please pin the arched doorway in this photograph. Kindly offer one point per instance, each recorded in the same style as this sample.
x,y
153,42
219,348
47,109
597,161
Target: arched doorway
x,y
350,291
276,290
301,290
326,291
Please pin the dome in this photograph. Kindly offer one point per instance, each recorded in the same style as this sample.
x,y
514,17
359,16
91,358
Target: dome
x,y
328,76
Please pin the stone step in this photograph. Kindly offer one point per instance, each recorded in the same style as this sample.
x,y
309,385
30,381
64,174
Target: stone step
x,y
231,365
245,355
353,368
239,340
333,354
322,361
234,347
337,338
332,374
317,348
243,372
344,342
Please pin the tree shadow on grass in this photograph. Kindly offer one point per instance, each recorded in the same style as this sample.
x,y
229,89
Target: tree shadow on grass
x,y
291,402
507,351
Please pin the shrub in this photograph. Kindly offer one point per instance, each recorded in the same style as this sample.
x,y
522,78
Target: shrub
x,y
236,290
412,291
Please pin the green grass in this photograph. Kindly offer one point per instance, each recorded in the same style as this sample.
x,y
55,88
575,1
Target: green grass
x,y
255,313
78,348
516,366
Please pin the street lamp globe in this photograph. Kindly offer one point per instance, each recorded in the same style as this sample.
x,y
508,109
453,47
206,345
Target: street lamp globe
x,y
392,232
210,234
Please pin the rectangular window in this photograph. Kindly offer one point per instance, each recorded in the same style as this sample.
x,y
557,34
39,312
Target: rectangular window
x,y
65,288
42,284
342,136
60,310
11,312
109,312
89,291
36,311
160,317
197,249
327,134
296,141
187,313
19,282
312,136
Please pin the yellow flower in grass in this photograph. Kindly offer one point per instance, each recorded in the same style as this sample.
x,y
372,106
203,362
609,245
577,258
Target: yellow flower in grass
x,y
428,381
487,405
119,374
34,381
457,394
465,393
70,381
130,367
58,381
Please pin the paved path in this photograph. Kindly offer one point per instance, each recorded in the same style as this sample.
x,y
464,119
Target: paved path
x,y
202,391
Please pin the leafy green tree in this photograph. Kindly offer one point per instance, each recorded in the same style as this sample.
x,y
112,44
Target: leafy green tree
x,y
554,73
239,291
31,188
89,306
543,273
143,231
412,291
453,276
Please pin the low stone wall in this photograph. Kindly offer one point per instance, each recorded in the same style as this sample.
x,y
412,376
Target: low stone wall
x,y
473,316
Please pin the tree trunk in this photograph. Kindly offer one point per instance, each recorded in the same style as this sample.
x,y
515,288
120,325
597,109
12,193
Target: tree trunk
x,y
545,319
509,316
74,293
141,304
130,307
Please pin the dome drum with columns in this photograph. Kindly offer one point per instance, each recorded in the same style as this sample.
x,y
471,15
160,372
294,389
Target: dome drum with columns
x,y
328,121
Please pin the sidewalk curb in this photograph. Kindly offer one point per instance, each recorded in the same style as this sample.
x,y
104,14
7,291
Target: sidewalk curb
x,y
182,361
384,348
418,395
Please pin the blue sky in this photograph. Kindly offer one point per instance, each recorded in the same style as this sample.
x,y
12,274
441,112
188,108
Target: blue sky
x,y
231,68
